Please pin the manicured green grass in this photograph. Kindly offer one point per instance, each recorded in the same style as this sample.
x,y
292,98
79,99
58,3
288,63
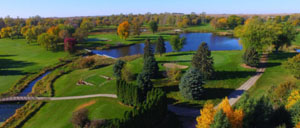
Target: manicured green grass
x,y
17,58
66,85
229,76
274,74
57,114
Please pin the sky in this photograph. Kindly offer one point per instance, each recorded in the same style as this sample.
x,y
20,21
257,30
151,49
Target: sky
x,y
68,8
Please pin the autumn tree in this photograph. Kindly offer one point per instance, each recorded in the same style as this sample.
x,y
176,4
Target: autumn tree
x,y
235,116
153,26
191,84
136,26
293,98
203,61
206,117
160,46
86,24
6,32
70,45
124,30
177,43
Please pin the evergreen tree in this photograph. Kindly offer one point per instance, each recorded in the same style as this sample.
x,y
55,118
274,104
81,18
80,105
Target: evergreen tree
x,y
220,120
191,84
151,66
147,49
118,69
144,82
251,57
160,46
153,26
203,61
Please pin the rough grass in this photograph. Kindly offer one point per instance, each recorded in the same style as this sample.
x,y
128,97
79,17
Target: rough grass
x,y
297,40
17,59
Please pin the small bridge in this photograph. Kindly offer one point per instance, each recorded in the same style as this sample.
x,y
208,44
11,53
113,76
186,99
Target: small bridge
x,y
31,98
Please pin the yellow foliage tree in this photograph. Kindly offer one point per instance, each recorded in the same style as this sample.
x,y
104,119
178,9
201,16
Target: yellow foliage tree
x,y
235,116
123,30
298,125
206,116
293,98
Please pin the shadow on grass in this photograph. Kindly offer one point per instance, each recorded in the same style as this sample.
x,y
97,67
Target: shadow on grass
x,y
281,55
180,54
6,64
175,61
223,75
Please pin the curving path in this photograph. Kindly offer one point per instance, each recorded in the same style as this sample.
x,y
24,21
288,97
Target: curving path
x,y
188,115
28,98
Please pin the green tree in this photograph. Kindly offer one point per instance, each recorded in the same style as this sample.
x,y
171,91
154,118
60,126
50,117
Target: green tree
x,y
191,83
160,46
177,43
80,34
251,57
295,113
234,21
151,66
48,41
220,120
203,61
144,82
148,49
293,64
118,69
285,33
153,26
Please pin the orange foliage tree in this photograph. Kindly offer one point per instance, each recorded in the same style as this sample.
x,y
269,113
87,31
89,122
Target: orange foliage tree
x,y
206,116
123,30
235,116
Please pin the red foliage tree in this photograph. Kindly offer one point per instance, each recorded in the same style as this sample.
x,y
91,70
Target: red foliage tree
x,y
69,44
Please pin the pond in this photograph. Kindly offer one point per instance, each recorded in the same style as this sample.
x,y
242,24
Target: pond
x,y
9,109
193,41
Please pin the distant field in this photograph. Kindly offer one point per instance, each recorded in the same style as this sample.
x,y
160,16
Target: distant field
x,y
17,58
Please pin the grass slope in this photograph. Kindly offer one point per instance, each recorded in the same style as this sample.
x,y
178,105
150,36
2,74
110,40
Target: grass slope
x,y
17,59
57,114
274,74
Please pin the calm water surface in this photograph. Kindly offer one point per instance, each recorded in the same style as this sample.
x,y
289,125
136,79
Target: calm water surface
x,y
193,41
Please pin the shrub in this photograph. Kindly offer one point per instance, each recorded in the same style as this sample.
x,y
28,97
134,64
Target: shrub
x,y
80,118
174,74
85,62
69,45
293,64
118,69
203,61
129,94
293,98
251,57
97,123
280,94
126,73
191,84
